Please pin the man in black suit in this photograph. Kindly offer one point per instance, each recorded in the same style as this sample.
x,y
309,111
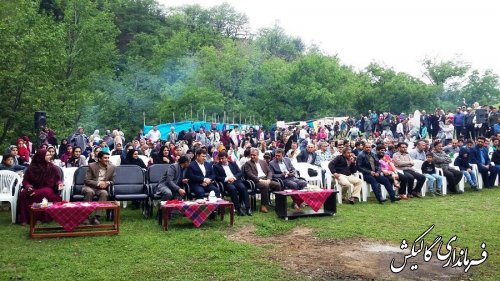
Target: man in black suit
x,y
170,183
228,173
201,176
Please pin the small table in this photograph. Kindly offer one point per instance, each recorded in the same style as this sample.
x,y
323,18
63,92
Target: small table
x,y
70,215
315,199
196,212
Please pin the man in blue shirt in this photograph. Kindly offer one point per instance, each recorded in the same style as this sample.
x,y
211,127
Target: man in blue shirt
x,y
458,122
479,156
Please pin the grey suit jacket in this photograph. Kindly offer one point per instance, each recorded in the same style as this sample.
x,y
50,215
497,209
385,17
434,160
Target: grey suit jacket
x,y
170,179
92,175
275,167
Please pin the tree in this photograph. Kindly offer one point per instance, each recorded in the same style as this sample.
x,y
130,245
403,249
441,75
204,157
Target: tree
x,y
275,42
481,88
439,73
30,45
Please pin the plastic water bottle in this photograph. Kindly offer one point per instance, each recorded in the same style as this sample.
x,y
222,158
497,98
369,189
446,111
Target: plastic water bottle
x,y
45,202
211,197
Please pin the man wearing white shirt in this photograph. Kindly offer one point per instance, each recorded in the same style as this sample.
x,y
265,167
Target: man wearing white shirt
x,y
201,176
154,134
234,135
259,172
228,173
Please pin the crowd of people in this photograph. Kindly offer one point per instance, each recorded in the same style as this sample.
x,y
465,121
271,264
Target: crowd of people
x,y
382,147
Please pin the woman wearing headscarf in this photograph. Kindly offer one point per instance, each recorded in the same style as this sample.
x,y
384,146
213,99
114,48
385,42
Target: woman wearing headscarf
x,y
62,148
23,151
164,156
225,139
41,180
76,159
132,158
67,155
95,138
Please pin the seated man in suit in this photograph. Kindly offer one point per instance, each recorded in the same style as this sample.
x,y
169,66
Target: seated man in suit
x,y
367,163
258,171
228,173
174,177
479,156
283,169
201,176
100,175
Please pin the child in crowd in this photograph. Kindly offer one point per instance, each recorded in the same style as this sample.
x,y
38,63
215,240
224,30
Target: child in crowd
x,y
386,164
463,163
429,171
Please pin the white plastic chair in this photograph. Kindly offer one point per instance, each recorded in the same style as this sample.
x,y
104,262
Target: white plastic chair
x,y
69,174
302,168
478,176
115,160
10,183
329,181
328,174
417,167
366,188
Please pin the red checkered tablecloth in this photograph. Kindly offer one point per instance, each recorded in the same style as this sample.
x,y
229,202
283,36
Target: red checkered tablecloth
x,y
71,214
196,212
314,199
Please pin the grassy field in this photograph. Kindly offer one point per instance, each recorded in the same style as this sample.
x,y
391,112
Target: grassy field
x,y
143,251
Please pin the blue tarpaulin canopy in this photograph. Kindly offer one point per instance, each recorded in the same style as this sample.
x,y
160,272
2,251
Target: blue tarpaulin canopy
x,y
195,125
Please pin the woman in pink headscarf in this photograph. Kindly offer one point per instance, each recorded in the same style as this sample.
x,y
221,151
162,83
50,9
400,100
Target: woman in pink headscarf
x,y
41,180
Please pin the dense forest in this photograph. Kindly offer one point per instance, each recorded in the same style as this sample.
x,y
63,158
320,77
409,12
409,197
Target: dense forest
x,y
103,64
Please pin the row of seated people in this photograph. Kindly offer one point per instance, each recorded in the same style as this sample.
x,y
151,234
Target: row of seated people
x,y
201,177
43,180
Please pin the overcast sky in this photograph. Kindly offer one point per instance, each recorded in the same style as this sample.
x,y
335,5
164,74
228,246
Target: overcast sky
x,y
399,34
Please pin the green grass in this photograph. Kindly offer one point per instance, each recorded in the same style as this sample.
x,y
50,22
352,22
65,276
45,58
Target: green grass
x,y
143,251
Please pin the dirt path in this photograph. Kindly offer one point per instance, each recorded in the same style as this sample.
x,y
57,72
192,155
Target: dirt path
x,y
347,259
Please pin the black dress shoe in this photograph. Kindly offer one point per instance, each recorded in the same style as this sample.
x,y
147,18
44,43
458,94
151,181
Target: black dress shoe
x,y
382,201
248,212
239,212
395,199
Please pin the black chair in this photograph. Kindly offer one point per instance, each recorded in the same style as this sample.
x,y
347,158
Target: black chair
x,y
129,185
153,177
78,183
76,189
251,188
